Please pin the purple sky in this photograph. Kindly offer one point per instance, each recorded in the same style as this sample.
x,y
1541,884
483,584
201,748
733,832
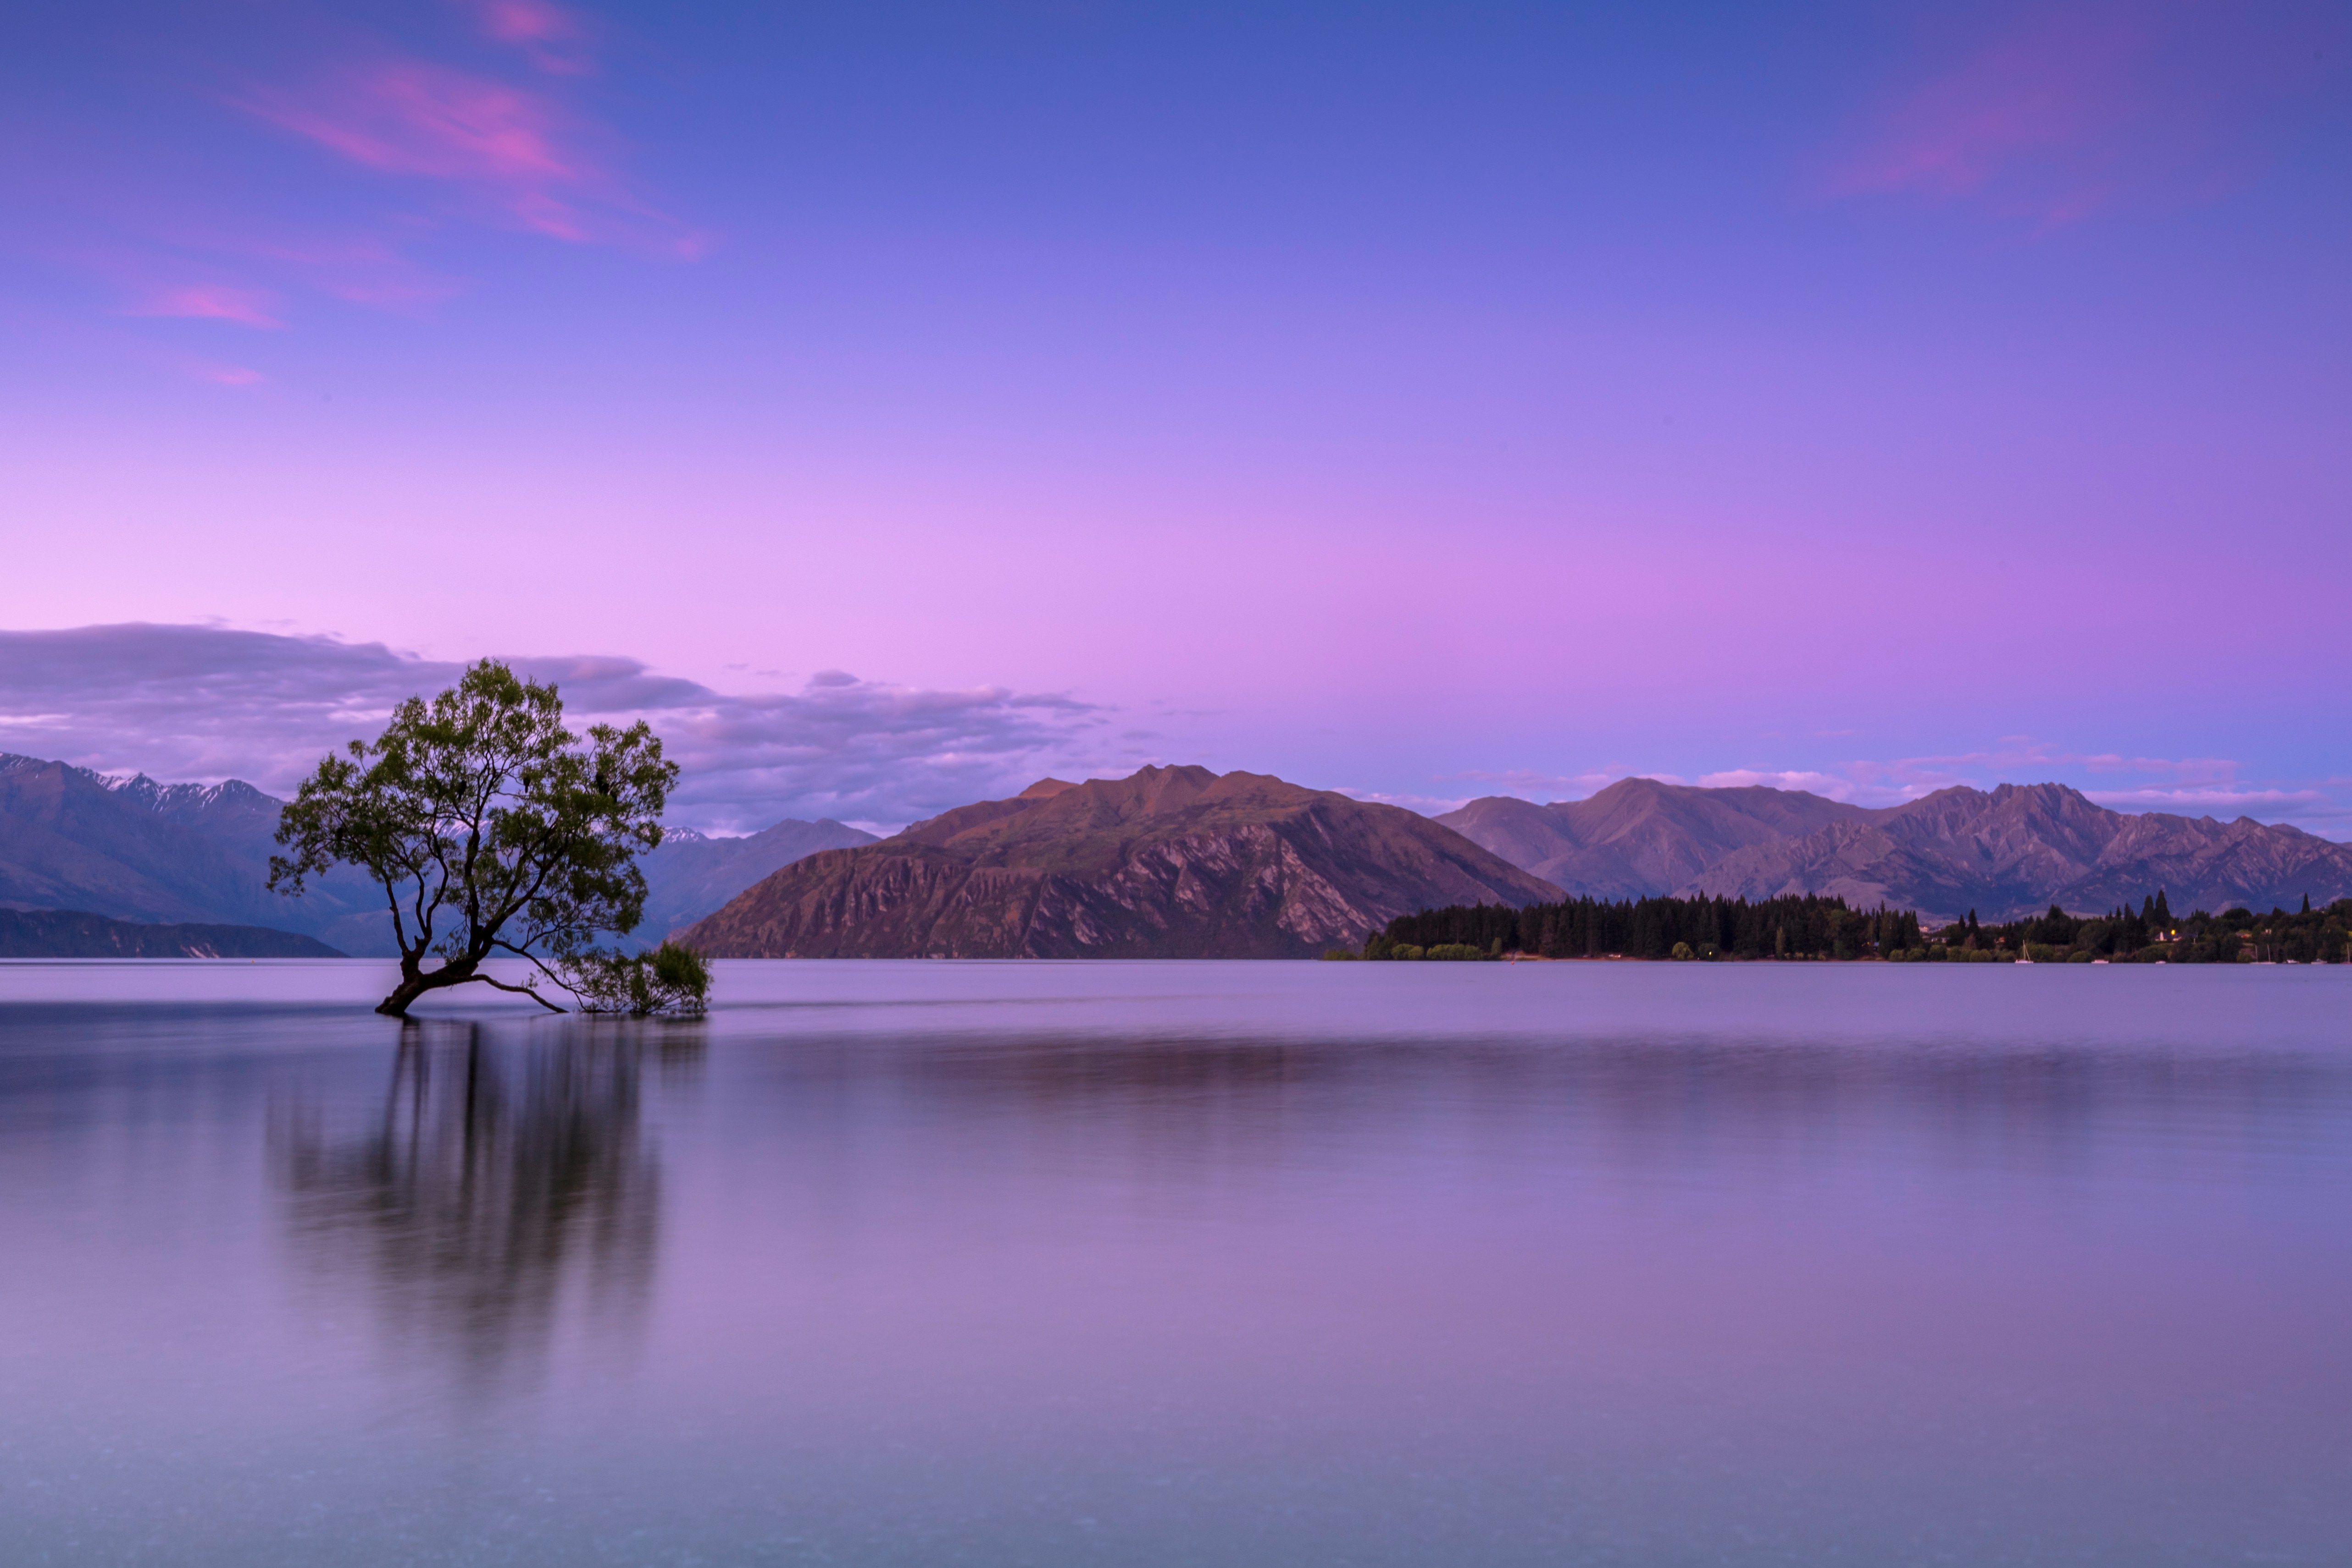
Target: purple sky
x,y
1428,400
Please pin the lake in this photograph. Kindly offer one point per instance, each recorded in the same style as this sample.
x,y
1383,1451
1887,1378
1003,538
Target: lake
x,y
1182,1264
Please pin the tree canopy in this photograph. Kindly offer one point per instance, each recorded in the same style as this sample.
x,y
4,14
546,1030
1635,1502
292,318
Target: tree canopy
x,y
495,831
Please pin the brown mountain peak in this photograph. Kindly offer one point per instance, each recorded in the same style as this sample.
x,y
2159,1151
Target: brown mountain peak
x,y
1170,862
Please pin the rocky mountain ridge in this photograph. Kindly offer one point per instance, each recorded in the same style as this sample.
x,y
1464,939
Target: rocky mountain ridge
x,y
1168,862
2017,849
2007,853
1638,836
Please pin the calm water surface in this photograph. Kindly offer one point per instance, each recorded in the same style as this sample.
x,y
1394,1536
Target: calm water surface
x,y
1182,1264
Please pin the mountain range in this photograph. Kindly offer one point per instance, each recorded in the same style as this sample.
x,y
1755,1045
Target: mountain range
x,y
2006,853
1639,837
1182,862
133,849
690,874
76,934
1169,862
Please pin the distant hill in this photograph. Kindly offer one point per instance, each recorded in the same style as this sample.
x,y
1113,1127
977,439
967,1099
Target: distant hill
x,y
76,934
2007,853
1169,862
2014,851
692,875
1639,837
135,850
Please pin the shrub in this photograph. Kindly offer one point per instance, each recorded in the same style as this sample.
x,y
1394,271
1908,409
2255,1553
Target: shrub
x,y
672,978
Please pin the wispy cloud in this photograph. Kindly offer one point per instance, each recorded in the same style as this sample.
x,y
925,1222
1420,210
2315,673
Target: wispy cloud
x,y
470,117
209,703
225,375
1835,786
2048,87
1426,805
209,302
1532,785
2298,804
552,37
414,118
2052,113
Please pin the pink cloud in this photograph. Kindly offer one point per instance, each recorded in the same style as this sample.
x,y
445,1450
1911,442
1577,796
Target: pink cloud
x,y
227,375
362,271
551,37
2220,800
511,147
209,302
2037,108
526,21
2085,104
409,117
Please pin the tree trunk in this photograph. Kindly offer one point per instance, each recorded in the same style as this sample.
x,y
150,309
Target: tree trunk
x,y
415,980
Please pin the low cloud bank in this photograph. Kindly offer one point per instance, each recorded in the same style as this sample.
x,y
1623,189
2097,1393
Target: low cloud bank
x,y
204,703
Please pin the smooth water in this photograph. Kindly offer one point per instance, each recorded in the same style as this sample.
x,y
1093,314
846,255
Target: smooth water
x,y
1182,1264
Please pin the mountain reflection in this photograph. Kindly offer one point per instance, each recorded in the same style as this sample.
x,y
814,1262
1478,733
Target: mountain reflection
x,y
505,1194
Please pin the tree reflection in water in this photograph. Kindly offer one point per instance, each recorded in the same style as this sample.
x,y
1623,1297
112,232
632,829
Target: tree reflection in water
x,y
507,1191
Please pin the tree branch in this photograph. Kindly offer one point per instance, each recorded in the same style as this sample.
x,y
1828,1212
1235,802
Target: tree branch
x,y
518,990
532,958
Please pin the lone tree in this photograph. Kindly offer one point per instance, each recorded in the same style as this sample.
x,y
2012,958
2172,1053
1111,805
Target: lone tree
x,y
494,832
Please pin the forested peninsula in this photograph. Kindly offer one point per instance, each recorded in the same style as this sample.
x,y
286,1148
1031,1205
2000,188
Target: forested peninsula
x,y
1816,929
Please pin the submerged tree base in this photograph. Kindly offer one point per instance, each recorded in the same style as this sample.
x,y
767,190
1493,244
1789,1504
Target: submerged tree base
x,y
417,981
672,980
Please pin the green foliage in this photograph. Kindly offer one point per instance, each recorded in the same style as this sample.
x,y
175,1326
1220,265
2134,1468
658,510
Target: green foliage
x,y
491,829
672,978
1456,952
1808,927
2151,934
1812,927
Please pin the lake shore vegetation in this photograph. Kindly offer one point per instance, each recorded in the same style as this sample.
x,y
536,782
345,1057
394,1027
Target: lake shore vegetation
x,y
1817,928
